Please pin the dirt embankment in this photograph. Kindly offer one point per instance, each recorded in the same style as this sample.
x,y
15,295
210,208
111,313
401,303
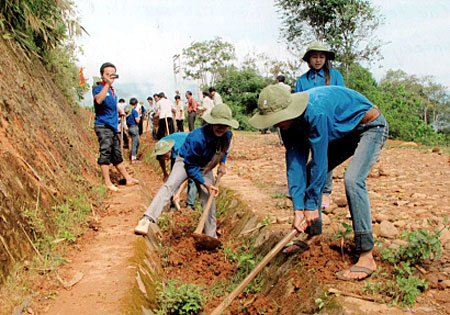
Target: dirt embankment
x,y
46,151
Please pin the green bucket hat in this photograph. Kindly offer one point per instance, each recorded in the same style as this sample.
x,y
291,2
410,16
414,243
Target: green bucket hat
x,y
276,104
318,46
163,146
221,114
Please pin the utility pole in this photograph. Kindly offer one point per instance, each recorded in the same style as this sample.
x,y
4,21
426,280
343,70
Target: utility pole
x,y
178,71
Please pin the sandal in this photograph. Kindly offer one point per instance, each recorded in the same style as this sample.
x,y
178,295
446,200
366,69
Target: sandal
x,y
367,271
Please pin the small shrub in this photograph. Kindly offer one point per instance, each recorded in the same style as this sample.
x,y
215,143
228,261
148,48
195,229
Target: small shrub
x,y
175,298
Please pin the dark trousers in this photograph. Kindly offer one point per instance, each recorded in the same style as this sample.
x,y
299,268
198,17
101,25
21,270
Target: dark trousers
x,y
191,120
162,130
180,127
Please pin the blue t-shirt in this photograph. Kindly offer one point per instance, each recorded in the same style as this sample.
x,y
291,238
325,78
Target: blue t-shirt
x,y
179,138
131,119
332,113
198,149
314,78
106,113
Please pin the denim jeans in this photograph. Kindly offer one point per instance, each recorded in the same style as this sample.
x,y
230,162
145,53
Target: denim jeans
x,y
191,194
328,184
133,130
364,143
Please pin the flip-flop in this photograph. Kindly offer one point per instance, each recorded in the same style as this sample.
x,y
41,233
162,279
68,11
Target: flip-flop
x,y
133,182
367,271
295,247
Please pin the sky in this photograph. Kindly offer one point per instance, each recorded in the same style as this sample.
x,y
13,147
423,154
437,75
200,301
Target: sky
x,y
141,36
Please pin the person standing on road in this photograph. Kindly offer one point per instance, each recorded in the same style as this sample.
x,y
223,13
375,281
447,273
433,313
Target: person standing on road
x,y
105,126
151,113
204,149
179,116
207,105
215,96
165,110
332,123
133,120
192,110
320,73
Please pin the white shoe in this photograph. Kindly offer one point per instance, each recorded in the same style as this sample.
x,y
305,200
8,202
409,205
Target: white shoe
x,y
142,227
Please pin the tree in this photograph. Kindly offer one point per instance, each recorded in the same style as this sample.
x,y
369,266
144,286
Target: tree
x,y
206,60
240,90
348,26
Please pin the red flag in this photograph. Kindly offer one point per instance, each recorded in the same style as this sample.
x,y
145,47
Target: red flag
x,y
82,81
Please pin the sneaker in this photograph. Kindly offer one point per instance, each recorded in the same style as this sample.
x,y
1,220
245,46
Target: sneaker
x,y
142,227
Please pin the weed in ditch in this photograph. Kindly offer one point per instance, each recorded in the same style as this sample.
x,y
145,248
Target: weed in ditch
x,y
165,221
179,298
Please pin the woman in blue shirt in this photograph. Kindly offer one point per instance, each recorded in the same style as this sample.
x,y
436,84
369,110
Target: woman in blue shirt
x,y
133,129
204,149
332,123
320,73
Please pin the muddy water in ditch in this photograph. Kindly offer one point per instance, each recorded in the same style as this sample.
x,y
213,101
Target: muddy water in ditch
x,y
283,287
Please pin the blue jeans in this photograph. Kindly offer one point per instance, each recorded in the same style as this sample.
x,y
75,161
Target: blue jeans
x,y
364,143
191,194
328,184
133,130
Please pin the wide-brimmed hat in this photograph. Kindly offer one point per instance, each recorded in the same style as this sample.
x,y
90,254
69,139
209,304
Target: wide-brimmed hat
x,y
318,46
221,114
163,146
276,104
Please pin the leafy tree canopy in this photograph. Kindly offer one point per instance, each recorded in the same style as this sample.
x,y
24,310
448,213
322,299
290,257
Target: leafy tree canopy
x,y
348,26
205,60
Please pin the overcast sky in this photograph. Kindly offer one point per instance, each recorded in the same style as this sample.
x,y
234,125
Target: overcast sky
x,y
141,36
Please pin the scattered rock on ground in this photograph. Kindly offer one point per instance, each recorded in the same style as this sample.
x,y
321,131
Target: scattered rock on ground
x,y
387,229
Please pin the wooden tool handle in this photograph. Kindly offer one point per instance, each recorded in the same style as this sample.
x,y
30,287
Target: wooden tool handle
x,y
219,309
205,213
167,126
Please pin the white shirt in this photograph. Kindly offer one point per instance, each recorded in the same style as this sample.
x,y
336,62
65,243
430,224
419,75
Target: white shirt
x,y
217,99
180,110
207,105
122,105
165,107
287,87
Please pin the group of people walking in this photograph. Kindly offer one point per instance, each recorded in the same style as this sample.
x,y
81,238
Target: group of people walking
x,y
321,125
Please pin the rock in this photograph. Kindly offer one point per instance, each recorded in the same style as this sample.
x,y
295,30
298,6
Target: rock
x,y
325,219
376,229
445,236
409,144
387,229
400,223
341,202
444,284
432,280
418,196
400,242
379,217
435,150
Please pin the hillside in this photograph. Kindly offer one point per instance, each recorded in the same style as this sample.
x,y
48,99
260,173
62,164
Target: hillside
x,y
46,155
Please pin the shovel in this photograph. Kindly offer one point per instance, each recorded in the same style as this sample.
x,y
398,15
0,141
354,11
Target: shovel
x,y
203,240
219,309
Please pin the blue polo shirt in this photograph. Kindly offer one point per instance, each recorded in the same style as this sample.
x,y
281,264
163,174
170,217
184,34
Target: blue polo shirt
x,y
332,113
314,78
198,149
106,113
131,119
179,138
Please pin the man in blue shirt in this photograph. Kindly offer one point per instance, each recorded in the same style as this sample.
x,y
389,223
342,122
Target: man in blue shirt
x,y
332,123
105,126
